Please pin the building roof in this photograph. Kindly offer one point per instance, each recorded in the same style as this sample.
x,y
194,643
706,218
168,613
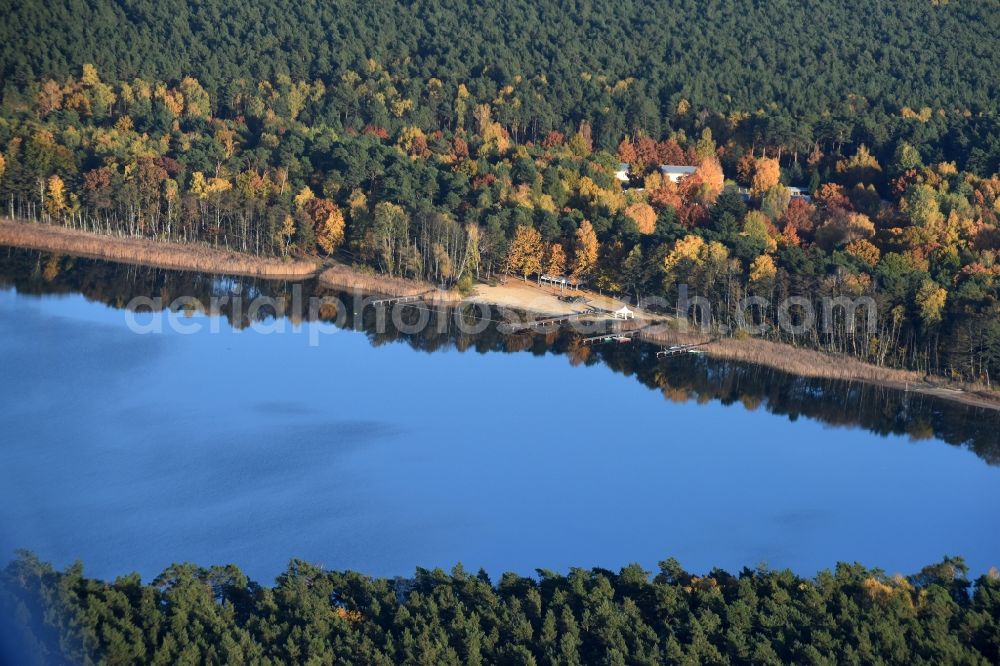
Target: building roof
x,y
676,168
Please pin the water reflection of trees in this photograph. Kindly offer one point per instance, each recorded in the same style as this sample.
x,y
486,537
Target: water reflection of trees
x,y
680,379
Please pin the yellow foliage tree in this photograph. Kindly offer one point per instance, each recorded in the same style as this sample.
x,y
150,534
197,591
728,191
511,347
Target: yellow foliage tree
x,y
90,95
864,250
102,97
470,264
766,174
90,76
862,167
285,234
461,97
79,102
173,100
443,262
589,190
581,143
299,93
55,197
525,253
495,138
254,185
587,249
413,141
695,260
203,187
644,216
304,196
652,181
357,202
556,264
762,270
125,124
196,101
330,231
685,249
931,299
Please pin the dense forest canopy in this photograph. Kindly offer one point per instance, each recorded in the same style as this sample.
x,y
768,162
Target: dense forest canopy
x,y
191,615
621,65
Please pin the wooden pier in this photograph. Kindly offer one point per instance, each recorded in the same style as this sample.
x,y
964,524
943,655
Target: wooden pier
x,y
382,302
517,326
607,337
676,350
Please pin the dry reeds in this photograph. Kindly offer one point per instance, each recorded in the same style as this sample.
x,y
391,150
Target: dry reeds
x,y
815,363
346,278
147,252
785,357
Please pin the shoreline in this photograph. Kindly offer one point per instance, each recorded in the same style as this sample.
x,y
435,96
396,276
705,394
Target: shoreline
x,y
817,364
148,252
514,293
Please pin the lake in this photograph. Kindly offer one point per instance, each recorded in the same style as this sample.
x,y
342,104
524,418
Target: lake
x,y
381,451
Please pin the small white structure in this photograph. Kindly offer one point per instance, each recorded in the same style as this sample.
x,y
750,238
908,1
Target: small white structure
x,y
622,173
799,193
675,172
624,313
559,280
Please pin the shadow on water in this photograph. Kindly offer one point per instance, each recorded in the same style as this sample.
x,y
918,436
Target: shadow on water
x,y
681,378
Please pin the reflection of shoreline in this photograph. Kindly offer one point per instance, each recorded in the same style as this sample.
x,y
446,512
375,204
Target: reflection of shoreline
x,y
147,252
878,407
515,294
820,365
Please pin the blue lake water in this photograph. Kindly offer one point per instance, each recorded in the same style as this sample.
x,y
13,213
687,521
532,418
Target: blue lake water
x,y
130,452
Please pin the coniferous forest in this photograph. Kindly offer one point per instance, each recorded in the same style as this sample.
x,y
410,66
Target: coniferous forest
x,y
192,615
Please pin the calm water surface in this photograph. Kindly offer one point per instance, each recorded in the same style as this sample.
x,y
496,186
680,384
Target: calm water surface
x,y
131,452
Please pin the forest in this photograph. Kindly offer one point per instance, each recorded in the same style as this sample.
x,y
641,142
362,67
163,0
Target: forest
x,y
458,144
191,615
468,142
809,70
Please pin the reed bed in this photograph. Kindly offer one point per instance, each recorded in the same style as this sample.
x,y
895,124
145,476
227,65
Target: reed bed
x,y
815,363
785,357
149,252
345,278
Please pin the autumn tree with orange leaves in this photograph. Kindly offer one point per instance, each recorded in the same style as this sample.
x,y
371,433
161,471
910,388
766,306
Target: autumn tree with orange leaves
x,y
556,261
766,174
